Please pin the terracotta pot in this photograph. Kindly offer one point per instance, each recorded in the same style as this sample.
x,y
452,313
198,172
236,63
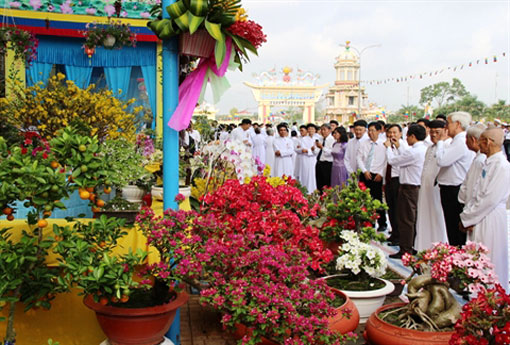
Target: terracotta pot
x,y
379,332
242,330
200,44
339,322
368,301
136,326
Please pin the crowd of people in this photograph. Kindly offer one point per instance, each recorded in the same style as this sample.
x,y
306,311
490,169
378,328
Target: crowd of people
x,y
444,180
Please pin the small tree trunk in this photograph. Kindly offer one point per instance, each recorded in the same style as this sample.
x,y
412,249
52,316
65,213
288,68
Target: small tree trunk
x,y
10,334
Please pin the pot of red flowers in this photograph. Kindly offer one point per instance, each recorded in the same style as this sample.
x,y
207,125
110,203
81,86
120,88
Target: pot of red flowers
x,y
248,252
432,311
22,42
485,320
111,35
348,208
132,305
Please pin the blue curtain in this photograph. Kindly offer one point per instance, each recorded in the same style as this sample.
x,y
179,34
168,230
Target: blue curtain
x,y
39,71
117,79
80,75
149,76
69,51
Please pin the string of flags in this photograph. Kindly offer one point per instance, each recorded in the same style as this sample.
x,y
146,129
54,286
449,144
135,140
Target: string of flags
x,y
484,61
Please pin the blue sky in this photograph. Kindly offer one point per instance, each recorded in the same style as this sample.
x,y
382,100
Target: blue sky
x,y
415,36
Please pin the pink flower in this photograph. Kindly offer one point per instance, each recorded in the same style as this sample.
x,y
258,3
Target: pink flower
x,y
66,7
145,15
15,4
109,10
36,4
91,10
180,198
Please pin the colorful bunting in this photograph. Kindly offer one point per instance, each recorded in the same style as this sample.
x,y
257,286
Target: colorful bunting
x,y
432,73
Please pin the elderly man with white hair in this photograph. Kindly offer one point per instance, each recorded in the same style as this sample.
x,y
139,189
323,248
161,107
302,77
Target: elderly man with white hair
x,y
454,161
468,187
484,216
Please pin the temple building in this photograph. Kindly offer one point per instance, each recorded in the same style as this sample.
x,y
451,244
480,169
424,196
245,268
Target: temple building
x,y
342,97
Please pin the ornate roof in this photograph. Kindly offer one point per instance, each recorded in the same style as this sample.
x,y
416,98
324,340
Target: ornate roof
x,y
286,76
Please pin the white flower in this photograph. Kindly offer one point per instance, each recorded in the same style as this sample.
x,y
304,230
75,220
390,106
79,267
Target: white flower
x,y
357,256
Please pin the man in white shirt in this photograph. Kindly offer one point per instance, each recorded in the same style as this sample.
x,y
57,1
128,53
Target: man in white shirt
x,y
430,225
283,150
468,187
242,133
360,135
454,162
391,182
410,162
484,216
371,159
324,158
298,164
193,133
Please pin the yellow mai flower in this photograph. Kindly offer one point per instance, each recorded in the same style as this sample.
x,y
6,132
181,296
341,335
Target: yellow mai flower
x,y
275,181
55,105
267,171
241,15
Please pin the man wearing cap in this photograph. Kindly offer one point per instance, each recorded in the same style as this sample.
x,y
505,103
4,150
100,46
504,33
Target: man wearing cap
x,y
484,216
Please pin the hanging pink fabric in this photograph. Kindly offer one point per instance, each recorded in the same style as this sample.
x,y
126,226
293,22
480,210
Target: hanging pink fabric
x,y
191,87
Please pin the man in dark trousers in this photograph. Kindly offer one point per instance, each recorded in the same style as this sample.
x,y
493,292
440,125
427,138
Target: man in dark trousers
x,y
324,158
410,162
454,161
371,159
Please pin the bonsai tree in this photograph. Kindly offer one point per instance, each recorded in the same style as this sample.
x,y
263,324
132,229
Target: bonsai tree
x,y
431,305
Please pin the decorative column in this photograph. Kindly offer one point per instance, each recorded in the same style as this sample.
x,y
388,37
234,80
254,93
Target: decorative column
x,y
170,140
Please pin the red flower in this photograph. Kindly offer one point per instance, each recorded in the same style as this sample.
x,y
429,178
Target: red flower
x,y
24,150
249,30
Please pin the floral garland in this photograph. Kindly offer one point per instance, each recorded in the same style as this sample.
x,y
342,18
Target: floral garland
x,y
23,42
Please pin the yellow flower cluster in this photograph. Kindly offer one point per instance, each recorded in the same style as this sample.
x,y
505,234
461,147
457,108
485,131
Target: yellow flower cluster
x,y
198,189
267,171
275,181
241,15
59,104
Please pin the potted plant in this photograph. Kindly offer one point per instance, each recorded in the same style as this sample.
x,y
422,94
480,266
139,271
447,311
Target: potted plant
x,y
113,34
485,319
127,170
128,311
248,252
360,265
22,42
432,309
347,208
40,174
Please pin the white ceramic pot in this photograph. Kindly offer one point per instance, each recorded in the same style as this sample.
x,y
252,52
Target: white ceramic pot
x,y
368,302
157,193
185,190
132,193
109,41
